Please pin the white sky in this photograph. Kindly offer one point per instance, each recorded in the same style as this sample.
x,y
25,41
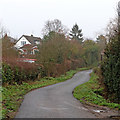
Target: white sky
x,y
29,16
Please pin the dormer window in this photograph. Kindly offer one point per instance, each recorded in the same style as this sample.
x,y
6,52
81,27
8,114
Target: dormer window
x,y
23,43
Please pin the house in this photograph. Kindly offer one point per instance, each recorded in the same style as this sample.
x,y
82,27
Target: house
x,y
28,45
28,49
31,40
12,40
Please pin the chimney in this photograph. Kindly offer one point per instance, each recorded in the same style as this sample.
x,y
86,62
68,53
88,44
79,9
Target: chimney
x,y
6,35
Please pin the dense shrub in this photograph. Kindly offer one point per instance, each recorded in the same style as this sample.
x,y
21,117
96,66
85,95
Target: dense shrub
x,y
12,69
91,53
111,70
59,54
19,72
56,56
7,74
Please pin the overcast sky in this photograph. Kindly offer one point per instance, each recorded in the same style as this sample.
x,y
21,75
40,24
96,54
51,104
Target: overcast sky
x,y
29,16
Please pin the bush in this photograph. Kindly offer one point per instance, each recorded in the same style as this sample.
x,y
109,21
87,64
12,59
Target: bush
x,y
111,70
7,74
19,72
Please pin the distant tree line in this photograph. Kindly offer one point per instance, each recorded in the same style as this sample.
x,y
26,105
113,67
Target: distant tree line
x,y
60,52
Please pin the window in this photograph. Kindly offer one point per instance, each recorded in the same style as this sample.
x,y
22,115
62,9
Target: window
x,y
23,43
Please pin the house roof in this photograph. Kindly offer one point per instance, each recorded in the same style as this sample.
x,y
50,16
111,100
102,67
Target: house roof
x,y
31,38
13,40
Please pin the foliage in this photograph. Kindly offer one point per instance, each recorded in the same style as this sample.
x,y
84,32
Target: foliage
x,y
91,54
111,69
110,66
54,26
12,95
49,36
112,29
101,41
12,69
58,55
19,72
91,92
76,33
3,31
8,52
7,74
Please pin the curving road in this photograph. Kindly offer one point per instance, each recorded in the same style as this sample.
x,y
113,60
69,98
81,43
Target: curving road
x,y
55,101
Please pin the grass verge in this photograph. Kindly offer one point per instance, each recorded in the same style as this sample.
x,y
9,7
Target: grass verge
x,y
90,93
12,95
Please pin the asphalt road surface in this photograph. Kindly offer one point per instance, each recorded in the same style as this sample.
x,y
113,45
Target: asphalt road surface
x,y
55,101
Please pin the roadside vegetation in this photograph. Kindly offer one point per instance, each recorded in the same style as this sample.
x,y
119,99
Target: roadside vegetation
x,y
93,92
57,60
110,65
60,54
104,85
13,94
57,54
103,88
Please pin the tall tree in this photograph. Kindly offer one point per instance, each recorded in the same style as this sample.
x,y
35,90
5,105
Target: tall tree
x,y
54,26
112,29
49,36
101,42
90,53
53,52
3,31
8,51
111,64
76,33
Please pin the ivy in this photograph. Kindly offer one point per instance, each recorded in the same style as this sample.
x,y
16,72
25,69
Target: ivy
x,y
111,70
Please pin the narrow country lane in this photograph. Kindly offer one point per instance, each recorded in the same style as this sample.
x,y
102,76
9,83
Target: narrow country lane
x,y
55,101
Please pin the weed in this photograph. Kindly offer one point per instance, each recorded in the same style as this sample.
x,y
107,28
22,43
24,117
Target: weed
x,y
92,93
12,95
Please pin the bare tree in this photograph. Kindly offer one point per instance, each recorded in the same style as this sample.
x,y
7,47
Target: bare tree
x,y
118,11
54,26
3,31
112,29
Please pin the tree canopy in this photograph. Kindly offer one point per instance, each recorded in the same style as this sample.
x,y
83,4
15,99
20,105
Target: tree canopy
x,y
54,26
76,33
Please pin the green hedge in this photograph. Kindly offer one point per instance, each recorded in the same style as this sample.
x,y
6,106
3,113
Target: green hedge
x,y
111,70
17,74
